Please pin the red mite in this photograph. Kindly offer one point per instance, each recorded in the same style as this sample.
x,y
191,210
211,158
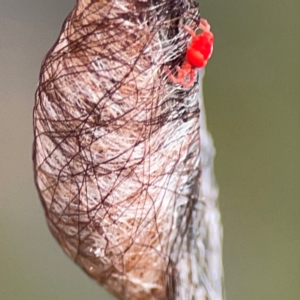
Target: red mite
x,y
197,55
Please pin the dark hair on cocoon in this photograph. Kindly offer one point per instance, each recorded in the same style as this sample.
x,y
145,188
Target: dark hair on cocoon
x,y
117,152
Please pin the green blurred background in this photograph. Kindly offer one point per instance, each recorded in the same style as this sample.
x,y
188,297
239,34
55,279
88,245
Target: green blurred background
x,y
251,92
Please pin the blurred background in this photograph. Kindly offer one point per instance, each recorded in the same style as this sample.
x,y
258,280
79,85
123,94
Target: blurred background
x,y
251,91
